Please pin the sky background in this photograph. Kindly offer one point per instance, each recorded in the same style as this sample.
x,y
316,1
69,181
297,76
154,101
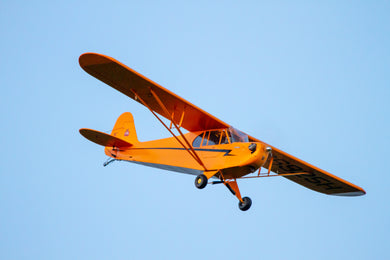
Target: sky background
x,y
310,78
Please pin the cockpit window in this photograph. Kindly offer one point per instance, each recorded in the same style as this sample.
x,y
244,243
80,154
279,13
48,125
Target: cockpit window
x,y
224,139
213,137
206,137
198,140
237,136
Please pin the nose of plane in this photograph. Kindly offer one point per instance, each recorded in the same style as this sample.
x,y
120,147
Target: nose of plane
x,y
257,156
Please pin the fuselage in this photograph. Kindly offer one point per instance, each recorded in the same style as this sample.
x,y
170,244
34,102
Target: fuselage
x,y
217,149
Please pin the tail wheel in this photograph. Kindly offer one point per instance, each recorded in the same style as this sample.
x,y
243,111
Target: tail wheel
x,y
201,181
245,204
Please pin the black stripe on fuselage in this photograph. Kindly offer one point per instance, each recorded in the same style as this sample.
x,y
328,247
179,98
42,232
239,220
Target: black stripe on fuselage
x,y
226,151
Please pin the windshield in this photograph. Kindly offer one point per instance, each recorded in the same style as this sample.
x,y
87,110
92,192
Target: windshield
x,y
237,136
221,136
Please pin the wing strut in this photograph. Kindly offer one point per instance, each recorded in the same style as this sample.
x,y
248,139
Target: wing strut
x,y
190,150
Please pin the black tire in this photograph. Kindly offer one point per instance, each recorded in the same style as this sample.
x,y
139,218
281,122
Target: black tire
x,y
245,204
201,181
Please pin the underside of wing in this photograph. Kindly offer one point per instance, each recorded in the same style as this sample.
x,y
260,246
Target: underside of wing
x,y
129,82
313,177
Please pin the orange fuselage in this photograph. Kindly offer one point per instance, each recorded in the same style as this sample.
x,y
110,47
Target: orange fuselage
x,y
234,160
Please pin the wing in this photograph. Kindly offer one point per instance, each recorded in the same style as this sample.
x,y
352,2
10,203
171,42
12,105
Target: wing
x,y
126,80
315,179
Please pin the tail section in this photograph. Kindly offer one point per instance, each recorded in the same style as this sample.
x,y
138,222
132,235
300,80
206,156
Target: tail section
x,y
125,129
122,136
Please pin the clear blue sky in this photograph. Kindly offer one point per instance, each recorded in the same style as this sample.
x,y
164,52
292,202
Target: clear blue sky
x,y
309,78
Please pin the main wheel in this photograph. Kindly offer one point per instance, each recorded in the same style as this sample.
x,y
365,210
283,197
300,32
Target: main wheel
x,y
201,181
245,204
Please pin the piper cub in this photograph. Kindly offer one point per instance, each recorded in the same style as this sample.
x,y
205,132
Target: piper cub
x,y
209,149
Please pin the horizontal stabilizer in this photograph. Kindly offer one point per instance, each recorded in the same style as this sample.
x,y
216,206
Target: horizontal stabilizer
x,y
103,138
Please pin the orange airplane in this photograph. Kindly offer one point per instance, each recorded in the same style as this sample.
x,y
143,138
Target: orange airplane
x,y
210,149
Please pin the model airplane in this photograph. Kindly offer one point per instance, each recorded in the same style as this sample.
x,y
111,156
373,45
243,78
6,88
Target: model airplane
x,y
211,149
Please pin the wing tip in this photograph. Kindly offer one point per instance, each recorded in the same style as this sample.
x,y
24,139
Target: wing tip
x,y
84,131
91,58
350,194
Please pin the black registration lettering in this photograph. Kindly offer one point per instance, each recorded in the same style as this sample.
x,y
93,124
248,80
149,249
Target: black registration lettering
x,y
312,177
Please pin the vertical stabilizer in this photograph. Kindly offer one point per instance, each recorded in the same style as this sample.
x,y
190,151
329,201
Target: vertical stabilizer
x,y
125,129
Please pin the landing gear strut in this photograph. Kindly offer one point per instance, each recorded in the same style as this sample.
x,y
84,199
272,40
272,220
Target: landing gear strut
x,y
244,203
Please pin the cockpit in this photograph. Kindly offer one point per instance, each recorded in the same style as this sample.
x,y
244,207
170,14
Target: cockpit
x,y
221,136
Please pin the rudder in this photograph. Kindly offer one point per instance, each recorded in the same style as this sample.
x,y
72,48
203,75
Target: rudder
x,y
124,128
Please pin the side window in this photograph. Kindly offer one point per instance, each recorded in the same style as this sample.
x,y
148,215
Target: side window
x,y
198,140
211,138
224,139
214,137
206,137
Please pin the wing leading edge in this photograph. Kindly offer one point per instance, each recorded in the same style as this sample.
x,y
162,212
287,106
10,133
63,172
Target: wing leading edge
x,y
126,80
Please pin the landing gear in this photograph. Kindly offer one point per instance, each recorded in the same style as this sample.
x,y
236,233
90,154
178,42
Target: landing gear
x,y
245,204
201,181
